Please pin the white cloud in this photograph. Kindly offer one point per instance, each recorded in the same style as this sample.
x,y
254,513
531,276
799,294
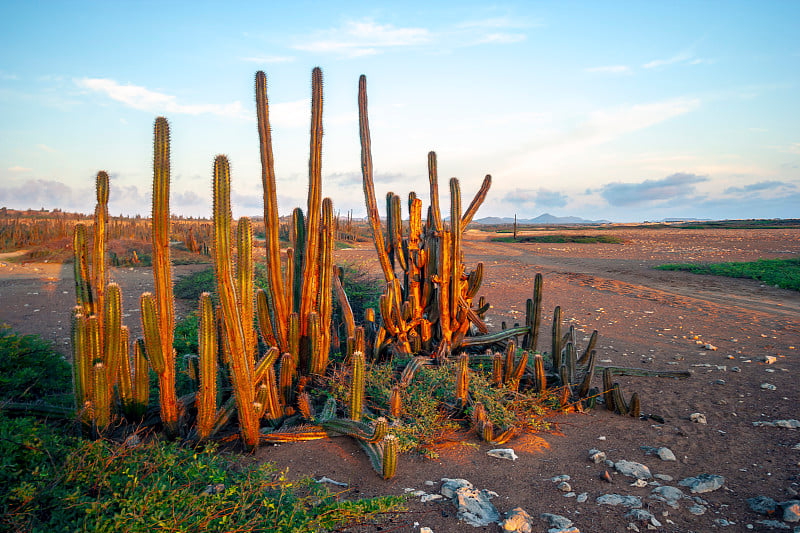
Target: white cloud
x,y
360,38
610,69
608,124
144,99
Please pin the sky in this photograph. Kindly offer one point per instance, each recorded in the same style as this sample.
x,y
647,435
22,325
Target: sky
x,y
623,111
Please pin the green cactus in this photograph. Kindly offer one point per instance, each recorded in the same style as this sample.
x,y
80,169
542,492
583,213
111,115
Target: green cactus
x,y
357,363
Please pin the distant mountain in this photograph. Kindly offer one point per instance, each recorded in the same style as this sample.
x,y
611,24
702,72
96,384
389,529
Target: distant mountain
x,y
545,218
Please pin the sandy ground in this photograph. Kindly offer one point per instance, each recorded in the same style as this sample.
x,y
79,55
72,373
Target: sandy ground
x,y
646,318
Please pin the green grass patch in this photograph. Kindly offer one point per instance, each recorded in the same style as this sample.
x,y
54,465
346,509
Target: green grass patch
x,y
784,273
561,238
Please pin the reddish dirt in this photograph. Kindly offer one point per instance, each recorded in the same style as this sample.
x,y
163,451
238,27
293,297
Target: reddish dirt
x,y
646,318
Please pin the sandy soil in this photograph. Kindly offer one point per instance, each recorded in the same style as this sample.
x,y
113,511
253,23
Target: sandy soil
x,y
646,318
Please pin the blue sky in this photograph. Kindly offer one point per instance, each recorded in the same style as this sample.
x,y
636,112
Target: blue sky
x,y
624,111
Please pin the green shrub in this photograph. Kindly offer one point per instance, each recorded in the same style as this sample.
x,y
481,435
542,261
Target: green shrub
x,y
784,273
30,368
54,483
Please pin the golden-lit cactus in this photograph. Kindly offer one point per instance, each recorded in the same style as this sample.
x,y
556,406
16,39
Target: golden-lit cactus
x,y
240,360
157,311
462,380
207,346
357,364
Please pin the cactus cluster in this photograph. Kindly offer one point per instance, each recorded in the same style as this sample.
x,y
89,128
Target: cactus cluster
x,y
103,377
263,352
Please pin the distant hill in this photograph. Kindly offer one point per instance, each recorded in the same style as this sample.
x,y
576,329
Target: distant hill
x,y
545,218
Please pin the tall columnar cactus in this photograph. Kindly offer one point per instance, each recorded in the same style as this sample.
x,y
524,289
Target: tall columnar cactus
x,y
357,386
157,311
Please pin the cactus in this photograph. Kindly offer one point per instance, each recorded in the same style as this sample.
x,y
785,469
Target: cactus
x,y
462,380
157,311
207,346
357,386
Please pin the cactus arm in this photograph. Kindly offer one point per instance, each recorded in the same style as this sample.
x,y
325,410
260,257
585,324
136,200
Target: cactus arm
x,y
244,279
369,186
433,180
312,252
99,275
207,346
325,296
124,377
141,376
83,291
480,196
265,318
112,332
240,363
271,220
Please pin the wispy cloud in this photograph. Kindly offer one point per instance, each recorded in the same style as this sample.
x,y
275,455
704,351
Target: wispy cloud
x,y
541,197
363,38
17,168
762,186
45,148
144,99
268,59
673,189
682,57
610,69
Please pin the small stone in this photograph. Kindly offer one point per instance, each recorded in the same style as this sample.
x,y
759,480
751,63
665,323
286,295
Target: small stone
x,y
790,424
710,347
572,529
723,522
639,483
762,505
702,483
605,476
559,479
698,418
736,369
768,386
618,499
643,516
791,510
663,477
633,469
582,497
697,510
665,454
569,495
597,456
430,483
425,529
503,453
517,520
213,489
668,495
633,527
769,359
430,497
564,487
555,520
601,437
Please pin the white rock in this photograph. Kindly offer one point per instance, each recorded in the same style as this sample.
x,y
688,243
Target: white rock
x,y
698,418
768,386
564,487
769,359
702,483
430,497
618,499
425,529
582,497
474,507
503,453
639,483
597,456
